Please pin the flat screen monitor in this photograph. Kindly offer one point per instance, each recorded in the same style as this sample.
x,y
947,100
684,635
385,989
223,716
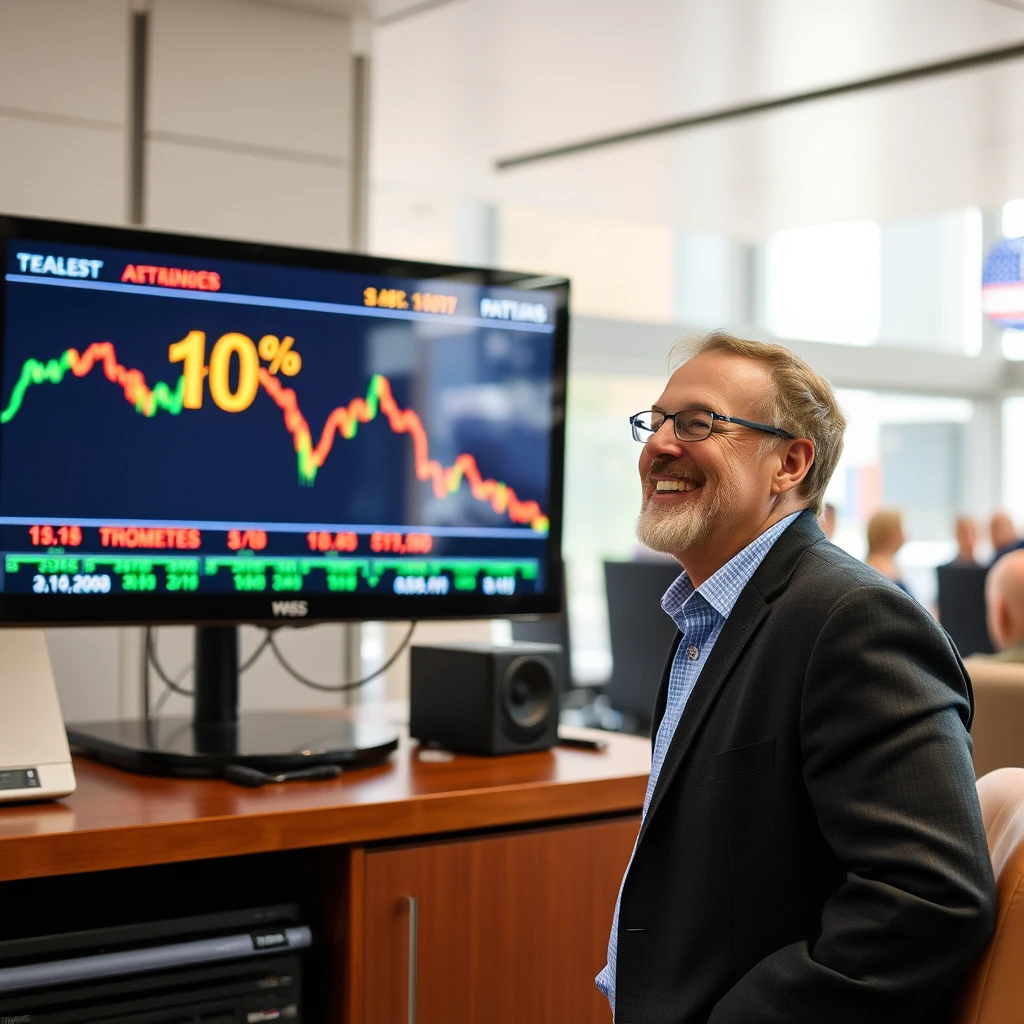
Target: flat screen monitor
x,y
962,607
641,636
207,431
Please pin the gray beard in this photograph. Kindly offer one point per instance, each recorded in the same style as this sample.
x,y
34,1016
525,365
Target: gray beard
x,y
673,531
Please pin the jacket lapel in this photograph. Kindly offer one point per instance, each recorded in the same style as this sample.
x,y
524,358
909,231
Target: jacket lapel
x,y
750,610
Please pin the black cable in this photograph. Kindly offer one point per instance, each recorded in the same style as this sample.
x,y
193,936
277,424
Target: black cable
x,y
174,685
342,687
171,684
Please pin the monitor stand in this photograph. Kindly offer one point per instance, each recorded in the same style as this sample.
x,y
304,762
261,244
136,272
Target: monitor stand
x,y
217,735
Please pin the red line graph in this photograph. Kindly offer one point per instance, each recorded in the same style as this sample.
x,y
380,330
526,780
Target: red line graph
x,y
344,421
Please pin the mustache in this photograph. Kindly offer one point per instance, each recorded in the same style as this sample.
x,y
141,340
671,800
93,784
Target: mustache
x,y
666,467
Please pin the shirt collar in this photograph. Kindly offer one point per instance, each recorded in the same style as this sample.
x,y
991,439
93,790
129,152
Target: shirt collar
x,y
722,590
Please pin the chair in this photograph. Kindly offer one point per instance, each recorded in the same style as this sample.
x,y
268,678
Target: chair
x,y
994,993
998,729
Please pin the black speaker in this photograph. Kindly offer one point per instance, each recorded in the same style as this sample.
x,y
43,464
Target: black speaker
x,y
485,699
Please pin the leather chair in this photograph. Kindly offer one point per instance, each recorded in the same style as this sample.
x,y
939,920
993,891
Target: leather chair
x,y
994,993
998,729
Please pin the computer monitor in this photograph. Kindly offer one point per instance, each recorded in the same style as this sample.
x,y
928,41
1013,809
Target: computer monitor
x,y
213,432
962,607
641,636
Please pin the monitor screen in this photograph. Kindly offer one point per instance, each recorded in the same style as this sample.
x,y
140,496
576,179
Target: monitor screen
x,y
195,430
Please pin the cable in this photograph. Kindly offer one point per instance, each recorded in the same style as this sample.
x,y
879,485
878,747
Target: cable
x,y
342,687
171,684
174,685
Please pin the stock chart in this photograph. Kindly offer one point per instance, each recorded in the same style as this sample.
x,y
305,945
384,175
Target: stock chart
x,y
183,425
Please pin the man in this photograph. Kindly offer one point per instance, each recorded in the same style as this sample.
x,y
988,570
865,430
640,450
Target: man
x,y
966,541
811,850
1004,608
1003,534
998,679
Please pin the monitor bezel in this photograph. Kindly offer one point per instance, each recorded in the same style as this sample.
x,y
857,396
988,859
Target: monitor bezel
x,y
234,609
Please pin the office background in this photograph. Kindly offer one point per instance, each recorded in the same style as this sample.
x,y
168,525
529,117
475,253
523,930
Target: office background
x,y
852,228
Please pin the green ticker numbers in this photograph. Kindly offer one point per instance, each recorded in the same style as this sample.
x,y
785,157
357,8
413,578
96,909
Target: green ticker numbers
x,y
250,581
177,581
58,565
342,582
138,582
286,581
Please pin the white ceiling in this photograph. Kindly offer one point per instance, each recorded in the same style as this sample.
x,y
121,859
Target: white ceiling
x,y
457,87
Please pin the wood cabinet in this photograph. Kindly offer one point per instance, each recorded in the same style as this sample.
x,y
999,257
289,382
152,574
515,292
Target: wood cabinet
x,y
503,928
514,864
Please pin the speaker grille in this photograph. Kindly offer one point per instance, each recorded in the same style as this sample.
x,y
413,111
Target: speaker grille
x,y
528,693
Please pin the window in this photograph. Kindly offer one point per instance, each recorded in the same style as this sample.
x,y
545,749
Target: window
x,y
905,452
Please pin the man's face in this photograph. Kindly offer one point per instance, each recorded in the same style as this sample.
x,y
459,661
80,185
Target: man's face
x,y
708,492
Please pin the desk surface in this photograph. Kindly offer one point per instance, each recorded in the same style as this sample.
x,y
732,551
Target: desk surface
x,y
116,819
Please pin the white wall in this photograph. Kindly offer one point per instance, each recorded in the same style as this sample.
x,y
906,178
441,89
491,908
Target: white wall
x,y
63,107
248,113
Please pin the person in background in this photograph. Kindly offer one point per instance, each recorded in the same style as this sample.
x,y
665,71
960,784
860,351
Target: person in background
x,y
1004,608
1004,535
966,542
885,538
828,520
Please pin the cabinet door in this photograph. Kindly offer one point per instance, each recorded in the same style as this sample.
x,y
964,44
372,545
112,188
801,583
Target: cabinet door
x,y
508,928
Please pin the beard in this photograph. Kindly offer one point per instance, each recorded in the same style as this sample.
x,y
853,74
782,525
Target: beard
x,y
674,529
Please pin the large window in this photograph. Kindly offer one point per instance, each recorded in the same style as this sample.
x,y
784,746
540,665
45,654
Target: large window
x,y
1013,458
913,283
905,452
824,283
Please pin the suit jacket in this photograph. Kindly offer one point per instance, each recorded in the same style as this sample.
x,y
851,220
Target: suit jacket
x,y
813,852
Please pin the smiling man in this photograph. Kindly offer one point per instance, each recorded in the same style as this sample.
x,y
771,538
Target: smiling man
x,y
811,850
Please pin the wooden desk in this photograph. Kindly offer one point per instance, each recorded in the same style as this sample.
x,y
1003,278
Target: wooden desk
x,y
514,864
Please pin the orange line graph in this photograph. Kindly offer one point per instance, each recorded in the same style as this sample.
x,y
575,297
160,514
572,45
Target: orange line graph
x,y
343,421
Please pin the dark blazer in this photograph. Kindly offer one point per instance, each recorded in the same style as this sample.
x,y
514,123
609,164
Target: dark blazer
x,y
814,851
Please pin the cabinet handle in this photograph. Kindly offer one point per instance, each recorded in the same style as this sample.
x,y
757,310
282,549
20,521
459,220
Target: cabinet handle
x,y
413,905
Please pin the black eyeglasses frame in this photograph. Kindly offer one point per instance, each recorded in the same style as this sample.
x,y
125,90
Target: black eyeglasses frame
x,y
778,431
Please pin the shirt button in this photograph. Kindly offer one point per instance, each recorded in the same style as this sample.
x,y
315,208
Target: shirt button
x,y
692,652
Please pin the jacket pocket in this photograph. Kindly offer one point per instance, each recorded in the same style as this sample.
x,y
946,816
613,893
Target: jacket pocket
x,y
745,760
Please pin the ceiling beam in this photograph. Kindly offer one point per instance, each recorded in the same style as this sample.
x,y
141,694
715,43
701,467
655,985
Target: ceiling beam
x,y
968,62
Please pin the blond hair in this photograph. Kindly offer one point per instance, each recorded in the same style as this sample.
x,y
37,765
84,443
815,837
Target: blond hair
x,y
803,404
882,529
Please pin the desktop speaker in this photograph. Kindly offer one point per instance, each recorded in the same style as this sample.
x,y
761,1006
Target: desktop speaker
x,y
485,699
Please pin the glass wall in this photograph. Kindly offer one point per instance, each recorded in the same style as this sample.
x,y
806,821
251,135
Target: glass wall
x,y
911,284
1013,458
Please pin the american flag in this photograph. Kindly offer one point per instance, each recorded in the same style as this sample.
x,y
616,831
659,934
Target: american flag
x,y
1002,283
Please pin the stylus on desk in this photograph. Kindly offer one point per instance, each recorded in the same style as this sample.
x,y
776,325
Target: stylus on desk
x,y
582,743
241,775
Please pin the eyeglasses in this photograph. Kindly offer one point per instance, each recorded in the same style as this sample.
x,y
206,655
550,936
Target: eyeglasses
x,y
691,424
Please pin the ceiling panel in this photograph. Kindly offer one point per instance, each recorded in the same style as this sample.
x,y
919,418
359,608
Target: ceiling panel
x,y
459,87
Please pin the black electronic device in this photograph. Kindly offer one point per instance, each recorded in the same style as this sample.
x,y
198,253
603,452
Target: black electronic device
x,y
641,636
483,698
213,432
237,967
961,595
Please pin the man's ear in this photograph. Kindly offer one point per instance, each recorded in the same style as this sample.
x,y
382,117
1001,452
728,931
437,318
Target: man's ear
x,y
795,460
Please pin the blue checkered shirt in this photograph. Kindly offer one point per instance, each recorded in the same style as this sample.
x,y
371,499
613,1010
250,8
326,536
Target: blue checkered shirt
x,y
700,615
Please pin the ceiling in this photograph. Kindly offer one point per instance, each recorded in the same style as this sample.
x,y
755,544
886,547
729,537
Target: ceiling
x,y
461,85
